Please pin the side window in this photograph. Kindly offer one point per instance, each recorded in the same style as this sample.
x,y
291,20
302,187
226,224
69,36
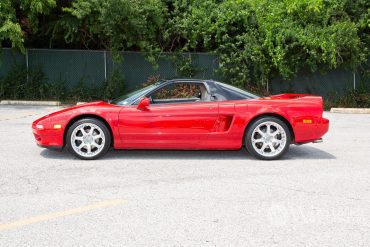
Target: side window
x,y
179,93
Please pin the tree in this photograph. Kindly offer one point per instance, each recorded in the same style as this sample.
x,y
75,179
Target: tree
x,y
115,25
257,40
309,34
19,19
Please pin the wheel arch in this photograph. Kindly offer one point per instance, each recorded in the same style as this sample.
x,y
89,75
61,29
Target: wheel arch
x,y
278,116
82,116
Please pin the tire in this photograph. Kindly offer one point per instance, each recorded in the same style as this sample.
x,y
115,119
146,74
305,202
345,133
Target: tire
x,y
267,146
87,145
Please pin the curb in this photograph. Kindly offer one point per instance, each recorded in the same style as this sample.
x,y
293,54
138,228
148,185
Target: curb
x,y
351,110
26,102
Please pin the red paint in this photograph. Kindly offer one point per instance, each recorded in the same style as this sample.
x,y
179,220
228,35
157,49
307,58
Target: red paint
x,y
203,125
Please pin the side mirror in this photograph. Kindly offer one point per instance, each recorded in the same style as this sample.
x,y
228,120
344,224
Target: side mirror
x,y
143,104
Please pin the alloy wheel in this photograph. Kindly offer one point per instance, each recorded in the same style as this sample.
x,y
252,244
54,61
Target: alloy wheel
x,y
88,140
269,139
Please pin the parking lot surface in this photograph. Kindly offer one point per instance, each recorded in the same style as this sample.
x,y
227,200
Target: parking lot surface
x,y
317,195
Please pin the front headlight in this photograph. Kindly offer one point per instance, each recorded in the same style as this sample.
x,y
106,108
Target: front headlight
x,y
39,126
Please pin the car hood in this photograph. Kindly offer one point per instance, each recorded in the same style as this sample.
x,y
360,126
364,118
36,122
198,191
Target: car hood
x,y
76,107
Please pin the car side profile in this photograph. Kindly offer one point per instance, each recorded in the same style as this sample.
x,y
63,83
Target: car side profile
x,y
189,115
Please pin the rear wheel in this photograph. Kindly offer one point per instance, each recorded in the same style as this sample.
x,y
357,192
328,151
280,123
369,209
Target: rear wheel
x,y
88,139
268,138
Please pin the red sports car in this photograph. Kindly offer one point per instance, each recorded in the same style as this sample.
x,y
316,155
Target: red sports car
x,y
186,114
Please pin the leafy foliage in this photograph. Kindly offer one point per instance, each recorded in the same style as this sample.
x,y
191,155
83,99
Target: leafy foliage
x,y
114,85
311,34
254,40
32,85
353,98
257,40
184,65
18,19
151,80
112,24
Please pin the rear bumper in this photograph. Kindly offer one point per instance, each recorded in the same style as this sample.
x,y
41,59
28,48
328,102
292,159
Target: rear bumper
x,y
305,133
322,126
318,141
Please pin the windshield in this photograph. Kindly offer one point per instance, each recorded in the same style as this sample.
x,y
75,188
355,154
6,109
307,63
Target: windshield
x,y
128,98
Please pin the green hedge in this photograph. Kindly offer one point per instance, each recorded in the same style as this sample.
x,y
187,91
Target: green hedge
x,y
33,85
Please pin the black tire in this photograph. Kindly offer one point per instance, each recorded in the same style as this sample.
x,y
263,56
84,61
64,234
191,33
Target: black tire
x,y
255,147
96,126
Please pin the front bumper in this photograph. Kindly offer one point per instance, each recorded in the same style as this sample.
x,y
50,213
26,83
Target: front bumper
x,y
48,138
56,148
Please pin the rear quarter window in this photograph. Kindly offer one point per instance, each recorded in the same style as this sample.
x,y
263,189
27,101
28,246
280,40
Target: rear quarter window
x,y
235,95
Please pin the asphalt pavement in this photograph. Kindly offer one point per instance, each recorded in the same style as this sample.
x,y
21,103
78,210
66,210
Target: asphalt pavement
x,y
317,195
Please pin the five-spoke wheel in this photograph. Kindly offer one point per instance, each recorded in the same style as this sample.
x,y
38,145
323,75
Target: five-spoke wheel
x,y
267,138
88,138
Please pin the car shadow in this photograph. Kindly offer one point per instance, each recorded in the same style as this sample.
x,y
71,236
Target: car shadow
x,y
294,153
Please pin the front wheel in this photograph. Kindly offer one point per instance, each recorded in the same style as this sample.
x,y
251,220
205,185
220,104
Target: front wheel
x,y
268,138
88,139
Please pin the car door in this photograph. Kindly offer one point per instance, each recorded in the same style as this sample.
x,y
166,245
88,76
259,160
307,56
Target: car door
x,y
175,119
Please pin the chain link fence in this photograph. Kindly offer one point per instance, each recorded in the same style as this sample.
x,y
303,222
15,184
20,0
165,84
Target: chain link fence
x,y
93,67
72,67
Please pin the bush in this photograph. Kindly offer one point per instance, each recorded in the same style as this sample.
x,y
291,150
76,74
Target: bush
x,y
114,85
352,99
12,85
19,84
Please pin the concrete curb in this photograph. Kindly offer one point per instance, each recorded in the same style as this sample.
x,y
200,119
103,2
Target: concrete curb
x,y
26,102
351,110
